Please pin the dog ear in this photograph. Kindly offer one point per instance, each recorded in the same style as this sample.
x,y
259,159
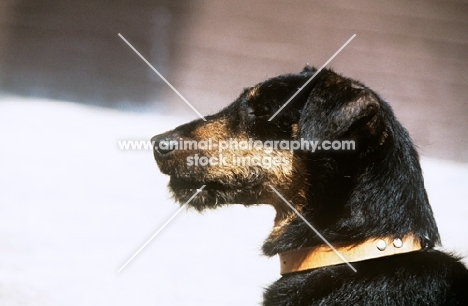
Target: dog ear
x,y
339,108
358,115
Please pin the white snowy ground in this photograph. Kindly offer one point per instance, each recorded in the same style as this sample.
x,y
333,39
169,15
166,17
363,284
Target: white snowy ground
x,y
74,208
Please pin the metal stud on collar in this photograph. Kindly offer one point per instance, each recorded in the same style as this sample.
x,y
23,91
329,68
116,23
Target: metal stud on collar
x,y
397,243
381,245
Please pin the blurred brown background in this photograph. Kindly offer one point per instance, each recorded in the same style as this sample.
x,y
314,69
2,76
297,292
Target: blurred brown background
x,y
414,53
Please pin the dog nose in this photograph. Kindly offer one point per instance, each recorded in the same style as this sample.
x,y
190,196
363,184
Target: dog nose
x,y
163,144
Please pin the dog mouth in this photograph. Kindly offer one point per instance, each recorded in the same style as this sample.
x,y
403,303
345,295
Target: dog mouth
x,y
177,183
214,193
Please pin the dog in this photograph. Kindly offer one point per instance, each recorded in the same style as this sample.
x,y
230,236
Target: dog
x,y
352,227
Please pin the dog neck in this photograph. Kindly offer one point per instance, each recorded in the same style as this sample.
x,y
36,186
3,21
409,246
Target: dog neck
x,y
323,255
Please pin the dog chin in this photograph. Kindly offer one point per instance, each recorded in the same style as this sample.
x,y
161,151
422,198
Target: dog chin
x,y
183,190
212,195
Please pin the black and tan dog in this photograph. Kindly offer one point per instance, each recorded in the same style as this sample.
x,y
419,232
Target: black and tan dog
x,y
369,203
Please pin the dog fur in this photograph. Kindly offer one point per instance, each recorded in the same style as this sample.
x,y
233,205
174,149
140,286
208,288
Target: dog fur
x,y
376,190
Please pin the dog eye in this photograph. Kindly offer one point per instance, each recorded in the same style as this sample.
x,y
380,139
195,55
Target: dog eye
x,y
259,111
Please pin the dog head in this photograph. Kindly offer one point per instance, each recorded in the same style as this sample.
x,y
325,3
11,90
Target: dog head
x,y
373,187
237,164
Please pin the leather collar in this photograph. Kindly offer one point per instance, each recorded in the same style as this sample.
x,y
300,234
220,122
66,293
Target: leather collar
x,y
323,255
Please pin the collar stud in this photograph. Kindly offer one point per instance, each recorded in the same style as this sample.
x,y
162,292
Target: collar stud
x,y
381,245
398,243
